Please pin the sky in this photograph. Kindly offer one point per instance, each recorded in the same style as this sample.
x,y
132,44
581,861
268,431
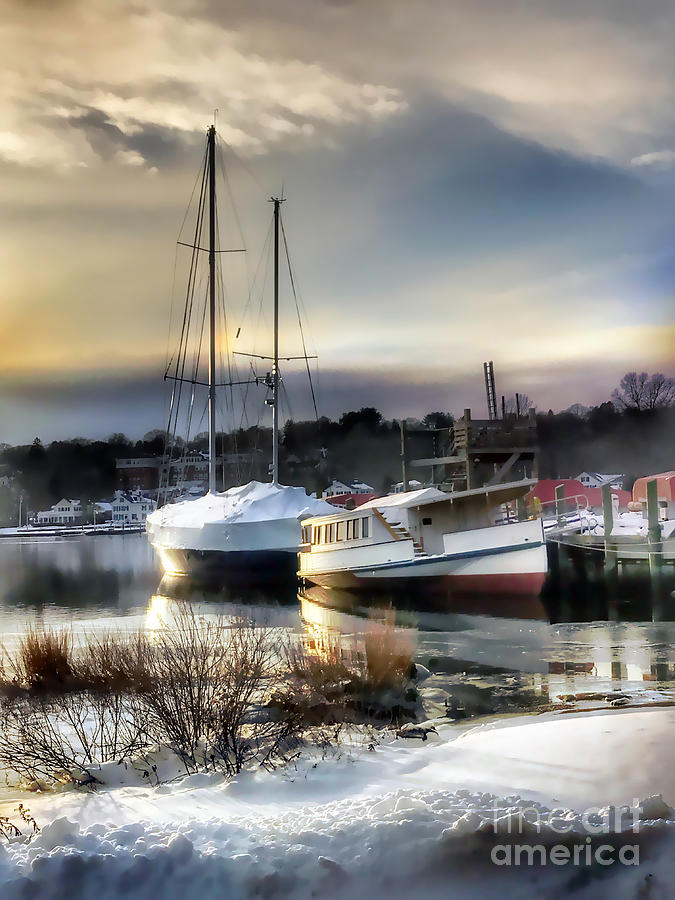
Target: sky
x,y
464,182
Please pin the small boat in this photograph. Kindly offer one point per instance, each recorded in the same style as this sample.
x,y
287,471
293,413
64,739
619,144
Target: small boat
x,y
250,531
458,540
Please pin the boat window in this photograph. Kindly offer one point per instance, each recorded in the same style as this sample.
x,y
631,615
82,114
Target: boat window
x,y
322,534
350,529
364,527
426,521
355,525
340,531
331,533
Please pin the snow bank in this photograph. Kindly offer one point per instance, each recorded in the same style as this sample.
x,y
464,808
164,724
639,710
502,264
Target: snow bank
x,y
407,820
404,844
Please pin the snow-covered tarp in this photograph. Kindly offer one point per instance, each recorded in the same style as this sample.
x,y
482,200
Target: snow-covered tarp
x,y
254,516
253,502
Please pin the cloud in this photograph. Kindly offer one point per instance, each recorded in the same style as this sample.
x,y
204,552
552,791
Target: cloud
x,y
658,159
143,65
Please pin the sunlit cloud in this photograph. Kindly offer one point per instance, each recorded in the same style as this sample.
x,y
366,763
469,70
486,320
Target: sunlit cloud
x,y
464,182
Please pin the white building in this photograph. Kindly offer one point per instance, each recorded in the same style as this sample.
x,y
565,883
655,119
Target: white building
x,y
597,479
413,485
353,487
131,508
65,512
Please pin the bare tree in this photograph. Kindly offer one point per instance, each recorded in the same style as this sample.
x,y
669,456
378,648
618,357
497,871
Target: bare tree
x,y
660,391
640,391
521,406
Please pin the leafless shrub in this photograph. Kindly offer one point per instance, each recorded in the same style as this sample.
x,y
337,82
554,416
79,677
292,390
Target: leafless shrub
x,y
371,683
388,655
47,739
10,829
219,693
44,660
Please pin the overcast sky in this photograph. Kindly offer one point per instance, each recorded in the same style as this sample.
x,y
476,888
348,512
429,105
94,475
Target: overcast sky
x,y
465,181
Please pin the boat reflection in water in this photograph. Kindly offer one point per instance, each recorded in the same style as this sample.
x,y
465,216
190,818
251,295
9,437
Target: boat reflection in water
x,y
262,606
519,649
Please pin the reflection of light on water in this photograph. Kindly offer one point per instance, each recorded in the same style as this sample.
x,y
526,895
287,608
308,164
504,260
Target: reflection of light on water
x,y
328,632
161,613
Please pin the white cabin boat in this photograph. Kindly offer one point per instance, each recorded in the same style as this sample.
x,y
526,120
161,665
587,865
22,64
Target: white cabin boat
x,y
461,540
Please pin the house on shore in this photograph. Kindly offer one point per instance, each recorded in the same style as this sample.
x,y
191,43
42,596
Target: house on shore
x,y
65,512
337,488
131,508
597,479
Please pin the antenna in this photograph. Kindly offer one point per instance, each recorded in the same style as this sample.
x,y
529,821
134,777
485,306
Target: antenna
x,y
489,371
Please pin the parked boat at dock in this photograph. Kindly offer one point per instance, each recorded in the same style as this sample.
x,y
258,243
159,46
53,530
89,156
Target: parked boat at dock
x,y
461,540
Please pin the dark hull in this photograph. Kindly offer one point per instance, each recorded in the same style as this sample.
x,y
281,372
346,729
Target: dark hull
x,y
245,567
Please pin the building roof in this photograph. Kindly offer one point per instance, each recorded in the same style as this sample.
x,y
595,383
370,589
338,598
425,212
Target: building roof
x,y
544,490
665,486
342,499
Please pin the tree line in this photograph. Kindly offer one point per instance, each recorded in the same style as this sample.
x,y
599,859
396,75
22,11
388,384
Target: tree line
x,y
631,434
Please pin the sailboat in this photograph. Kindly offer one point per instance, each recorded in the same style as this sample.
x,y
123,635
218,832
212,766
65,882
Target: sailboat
x,y
251,531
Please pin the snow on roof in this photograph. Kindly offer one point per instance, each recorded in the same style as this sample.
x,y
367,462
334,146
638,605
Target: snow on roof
x,y
406,499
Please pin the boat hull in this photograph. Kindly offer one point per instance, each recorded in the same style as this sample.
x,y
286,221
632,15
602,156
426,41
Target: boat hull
x,y
519,584
234,567
500,560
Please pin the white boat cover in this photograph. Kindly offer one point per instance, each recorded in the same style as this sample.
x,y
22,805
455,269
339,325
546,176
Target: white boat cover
x,y
252,517
252,502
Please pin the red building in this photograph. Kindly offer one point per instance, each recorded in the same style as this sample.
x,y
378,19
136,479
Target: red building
x,y
544,490
342,499
140,474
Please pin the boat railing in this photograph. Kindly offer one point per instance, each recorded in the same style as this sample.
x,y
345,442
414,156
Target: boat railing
x,y
564,513
568,512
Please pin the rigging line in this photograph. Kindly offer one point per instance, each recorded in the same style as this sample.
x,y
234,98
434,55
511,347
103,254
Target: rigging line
x,y
177,393
297,309
267,257
187,318
244,166
264,257
193,263
202,172
226,363
230,194
195,373
174,404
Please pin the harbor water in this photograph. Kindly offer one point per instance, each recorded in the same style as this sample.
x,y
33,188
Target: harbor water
x,y
524,650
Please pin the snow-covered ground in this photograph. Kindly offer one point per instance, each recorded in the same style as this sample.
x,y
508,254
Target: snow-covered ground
x,y
405,819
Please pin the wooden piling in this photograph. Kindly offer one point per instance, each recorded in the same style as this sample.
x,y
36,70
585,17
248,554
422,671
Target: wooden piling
x,y
611,567
560,504
404,453
654,530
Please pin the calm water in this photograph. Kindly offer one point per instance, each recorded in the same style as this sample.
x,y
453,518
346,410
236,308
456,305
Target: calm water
x,y
91,582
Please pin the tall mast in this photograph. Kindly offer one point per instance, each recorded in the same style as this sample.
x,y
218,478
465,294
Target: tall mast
x,y
275,364
211,144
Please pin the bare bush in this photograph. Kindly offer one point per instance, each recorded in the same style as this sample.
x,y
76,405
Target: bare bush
x,y
220,694
368,684
44,660
9,828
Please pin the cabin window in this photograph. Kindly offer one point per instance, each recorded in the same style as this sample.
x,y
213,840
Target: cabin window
x,y
355,525
350,529
331,533
340,528
426,520
364,527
